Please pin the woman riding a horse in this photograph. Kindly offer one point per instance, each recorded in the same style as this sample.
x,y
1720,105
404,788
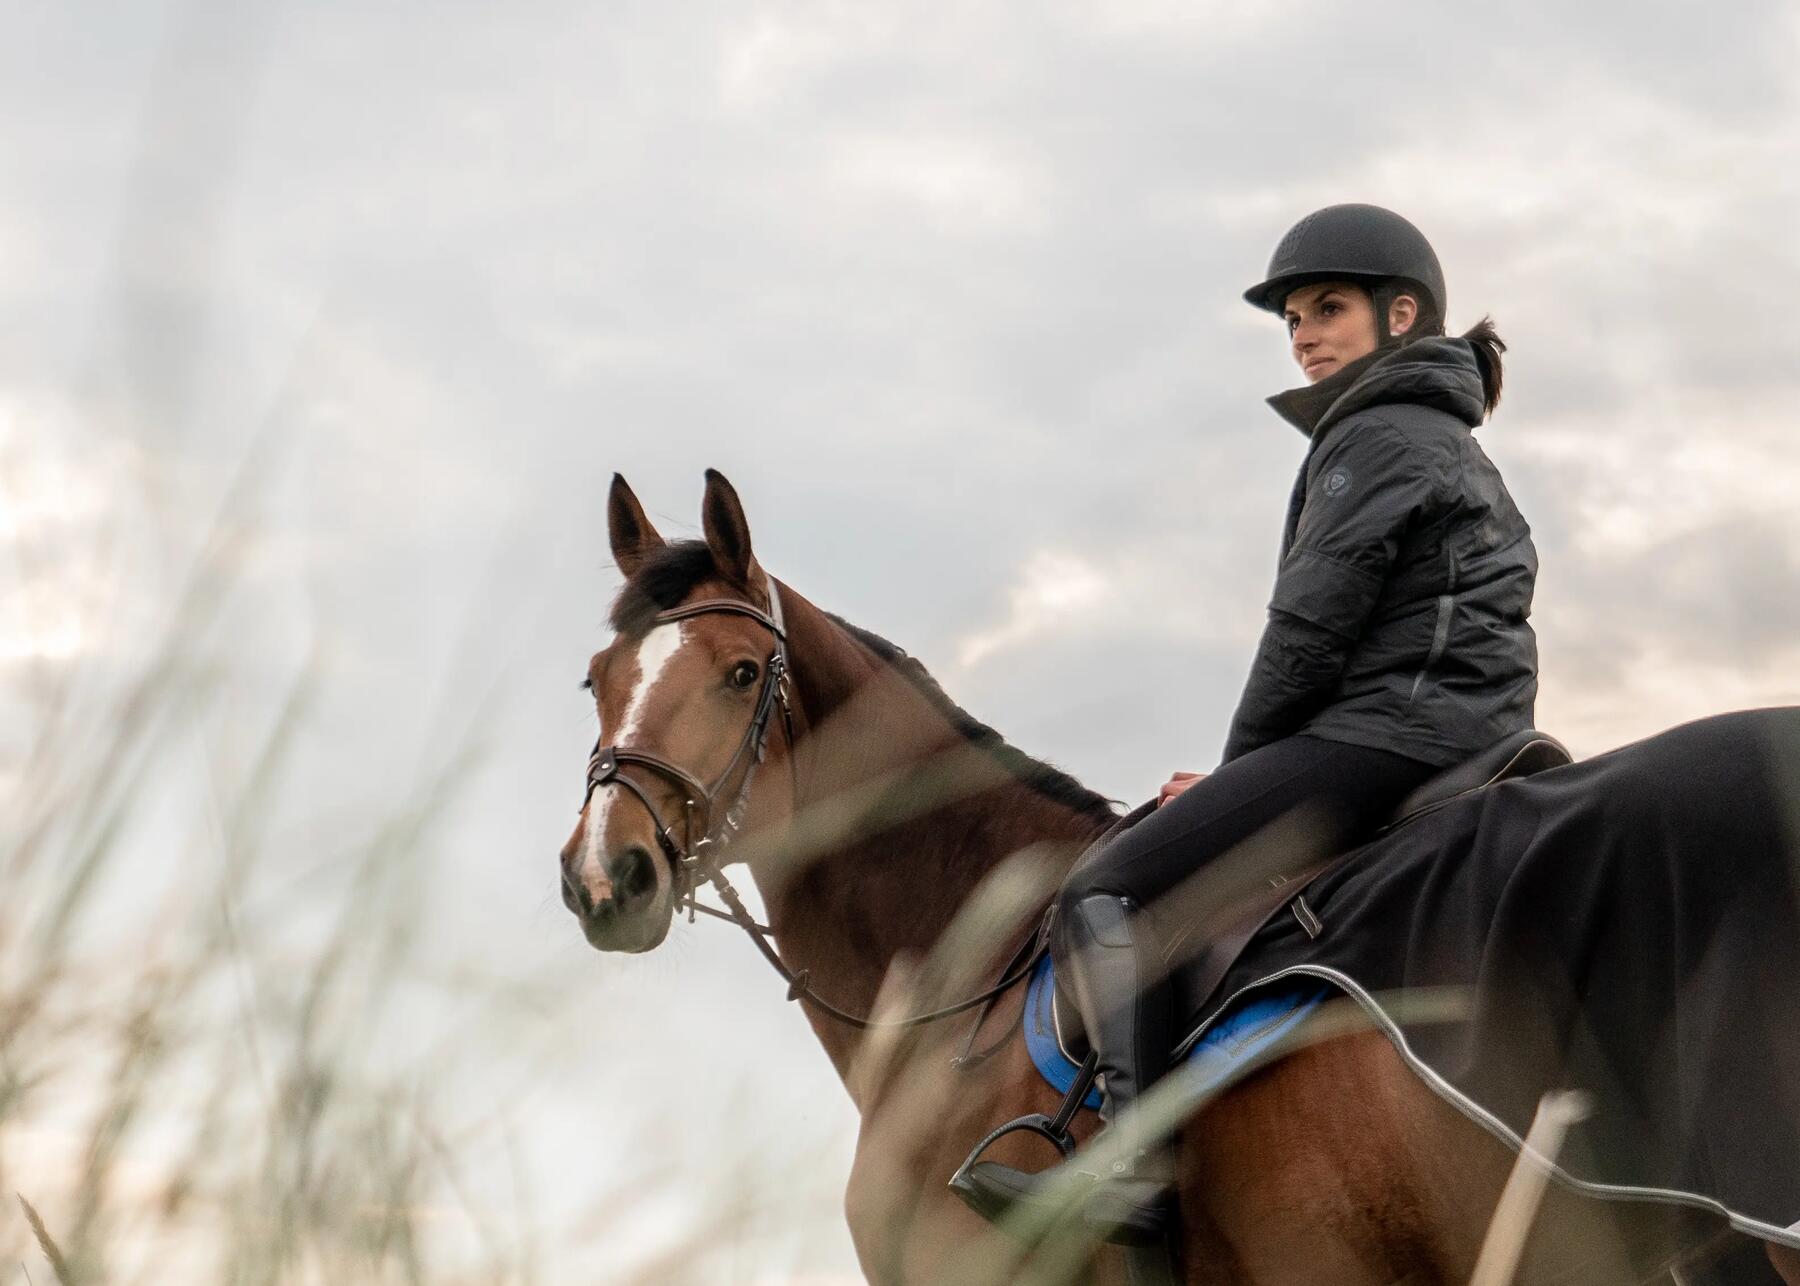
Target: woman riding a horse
x,y
1397,642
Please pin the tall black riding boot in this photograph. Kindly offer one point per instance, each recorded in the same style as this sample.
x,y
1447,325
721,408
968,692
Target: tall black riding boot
x,y
1115,973
1107,960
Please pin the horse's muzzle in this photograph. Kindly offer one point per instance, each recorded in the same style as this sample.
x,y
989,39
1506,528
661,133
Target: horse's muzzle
x,y
624,918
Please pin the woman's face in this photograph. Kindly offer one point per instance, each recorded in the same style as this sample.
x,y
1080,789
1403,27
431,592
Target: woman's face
x,y
1331,324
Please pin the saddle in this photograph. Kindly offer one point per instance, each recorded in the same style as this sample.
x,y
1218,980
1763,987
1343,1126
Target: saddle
x,y
1520,755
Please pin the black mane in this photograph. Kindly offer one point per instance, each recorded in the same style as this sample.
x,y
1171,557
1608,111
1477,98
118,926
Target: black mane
x,y
1046,779
670,574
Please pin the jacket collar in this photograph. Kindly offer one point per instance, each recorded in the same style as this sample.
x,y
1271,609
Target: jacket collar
x,y
1307,407
1435,371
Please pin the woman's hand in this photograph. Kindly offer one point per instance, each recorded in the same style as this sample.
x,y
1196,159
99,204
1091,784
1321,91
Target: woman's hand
x,y
1176,784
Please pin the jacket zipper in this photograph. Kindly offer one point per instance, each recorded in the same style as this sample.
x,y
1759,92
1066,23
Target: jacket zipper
x,y
1440,638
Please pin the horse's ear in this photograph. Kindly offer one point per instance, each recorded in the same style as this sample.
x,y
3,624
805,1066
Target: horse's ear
x,y
633,538
727,531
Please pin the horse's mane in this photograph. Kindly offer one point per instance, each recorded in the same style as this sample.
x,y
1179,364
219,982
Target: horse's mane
x,y
1046,779
669,574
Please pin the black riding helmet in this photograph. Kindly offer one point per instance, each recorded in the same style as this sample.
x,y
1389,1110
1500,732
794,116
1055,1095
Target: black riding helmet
x,y
1373,247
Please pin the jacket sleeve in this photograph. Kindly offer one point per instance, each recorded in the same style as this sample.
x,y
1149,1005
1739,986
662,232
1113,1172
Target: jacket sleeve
x,y
1369,485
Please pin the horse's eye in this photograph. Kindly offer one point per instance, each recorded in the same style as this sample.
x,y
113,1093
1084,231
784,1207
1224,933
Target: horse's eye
x,y
743,674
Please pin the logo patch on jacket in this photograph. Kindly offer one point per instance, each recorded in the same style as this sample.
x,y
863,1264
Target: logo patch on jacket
x,y
1337,482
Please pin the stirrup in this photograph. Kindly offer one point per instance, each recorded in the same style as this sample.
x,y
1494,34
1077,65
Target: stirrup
x,y
983,1185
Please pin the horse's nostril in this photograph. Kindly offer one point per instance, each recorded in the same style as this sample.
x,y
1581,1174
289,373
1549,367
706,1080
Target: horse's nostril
x,y
575,896
633,874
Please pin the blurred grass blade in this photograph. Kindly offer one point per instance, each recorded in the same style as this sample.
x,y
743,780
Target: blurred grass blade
x,y
46,1242
1504,1245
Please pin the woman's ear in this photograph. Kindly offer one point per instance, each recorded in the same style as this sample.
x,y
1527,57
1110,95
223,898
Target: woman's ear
x,y
1402,313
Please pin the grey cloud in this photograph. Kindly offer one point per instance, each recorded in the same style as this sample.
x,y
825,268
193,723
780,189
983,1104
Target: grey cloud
x,y
1726,594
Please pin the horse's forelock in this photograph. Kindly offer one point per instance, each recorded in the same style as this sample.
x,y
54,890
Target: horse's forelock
x,y
666,577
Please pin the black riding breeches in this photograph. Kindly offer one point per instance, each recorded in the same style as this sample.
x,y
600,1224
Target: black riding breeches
x,y
1308,796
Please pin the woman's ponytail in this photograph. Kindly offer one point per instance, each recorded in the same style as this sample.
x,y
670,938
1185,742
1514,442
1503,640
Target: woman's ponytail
x,y
1488,346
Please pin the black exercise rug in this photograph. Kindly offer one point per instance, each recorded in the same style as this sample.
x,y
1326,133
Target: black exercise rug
x,y
1628,926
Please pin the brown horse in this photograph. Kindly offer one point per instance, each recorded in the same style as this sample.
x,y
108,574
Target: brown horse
x,y
881,819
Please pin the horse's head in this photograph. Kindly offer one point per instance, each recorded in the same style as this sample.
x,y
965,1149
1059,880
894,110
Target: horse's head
x,y
683,700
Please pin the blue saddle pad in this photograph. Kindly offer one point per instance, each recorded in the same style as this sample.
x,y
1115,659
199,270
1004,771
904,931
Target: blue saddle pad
x,y
1242,1032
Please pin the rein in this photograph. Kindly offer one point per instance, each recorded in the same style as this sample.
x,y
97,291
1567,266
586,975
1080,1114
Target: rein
x,y
799,983
700,862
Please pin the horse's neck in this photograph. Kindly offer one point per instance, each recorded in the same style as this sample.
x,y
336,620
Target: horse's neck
x,y
915,818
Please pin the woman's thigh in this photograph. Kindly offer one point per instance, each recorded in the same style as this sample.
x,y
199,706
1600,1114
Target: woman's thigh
x,y
1346,790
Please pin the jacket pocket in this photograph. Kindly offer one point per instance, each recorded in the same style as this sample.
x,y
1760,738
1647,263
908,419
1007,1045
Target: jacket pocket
x,y
1440,639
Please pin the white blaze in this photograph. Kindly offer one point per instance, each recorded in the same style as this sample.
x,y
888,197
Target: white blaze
x,y
654,653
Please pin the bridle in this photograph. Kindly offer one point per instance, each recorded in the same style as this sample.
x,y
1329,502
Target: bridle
x,y
699,862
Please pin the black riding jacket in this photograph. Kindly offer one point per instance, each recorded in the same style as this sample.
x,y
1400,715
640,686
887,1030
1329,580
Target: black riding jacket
x,y
1399,617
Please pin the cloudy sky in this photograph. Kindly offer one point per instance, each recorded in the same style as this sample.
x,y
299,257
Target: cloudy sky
x,y
949,292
